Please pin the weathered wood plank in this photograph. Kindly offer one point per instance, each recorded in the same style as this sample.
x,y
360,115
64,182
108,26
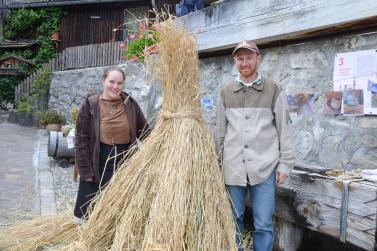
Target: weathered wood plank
x,y
314,201
222,26
289,235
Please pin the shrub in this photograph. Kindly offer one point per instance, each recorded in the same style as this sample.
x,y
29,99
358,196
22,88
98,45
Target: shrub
x,y
23,106
74,114
51,117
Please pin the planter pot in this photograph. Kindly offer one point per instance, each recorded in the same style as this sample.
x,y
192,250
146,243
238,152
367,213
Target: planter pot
x,y
53,127
55,36
25,119
12,118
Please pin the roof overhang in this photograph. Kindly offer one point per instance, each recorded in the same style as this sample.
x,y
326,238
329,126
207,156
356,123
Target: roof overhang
x,y
16,4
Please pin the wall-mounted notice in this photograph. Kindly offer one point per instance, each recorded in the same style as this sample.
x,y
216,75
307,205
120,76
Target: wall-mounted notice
x,y
357,70
332,103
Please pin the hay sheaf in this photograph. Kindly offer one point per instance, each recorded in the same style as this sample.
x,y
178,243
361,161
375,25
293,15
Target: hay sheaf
x,y
170,194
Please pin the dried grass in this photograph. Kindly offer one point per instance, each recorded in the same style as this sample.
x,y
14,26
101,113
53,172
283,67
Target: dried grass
x,y
39,233
170,195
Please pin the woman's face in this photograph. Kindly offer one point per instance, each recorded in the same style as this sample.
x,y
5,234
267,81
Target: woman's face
x,y
113,85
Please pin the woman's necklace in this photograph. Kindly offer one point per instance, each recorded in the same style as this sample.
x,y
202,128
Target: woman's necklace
x,y
110,106
112,110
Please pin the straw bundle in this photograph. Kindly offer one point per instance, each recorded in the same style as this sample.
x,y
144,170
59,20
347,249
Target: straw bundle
x,y
39,233
169,195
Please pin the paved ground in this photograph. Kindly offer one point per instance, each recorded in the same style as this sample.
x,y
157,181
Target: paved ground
x,y
26,185
18,172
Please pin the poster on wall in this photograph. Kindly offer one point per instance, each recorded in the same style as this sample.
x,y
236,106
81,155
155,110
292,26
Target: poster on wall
x,y
332,102
353,102
366,84
292,100
357,71
305,104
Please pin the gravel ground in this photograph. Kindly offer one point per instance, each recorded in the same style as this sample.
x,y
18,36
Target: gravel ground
x,y
65,187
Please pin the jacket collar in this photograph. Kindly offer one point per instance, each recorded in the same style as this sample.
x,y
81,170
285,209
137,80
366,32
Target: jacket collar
x,y
94,100
237,86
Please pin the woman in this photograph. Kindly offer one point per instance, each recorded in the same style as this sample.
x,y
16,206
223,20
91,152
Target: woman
x,y
107,124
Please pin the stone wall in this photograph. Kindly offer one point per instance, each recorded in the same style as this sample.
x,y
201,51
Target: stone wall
x,y
70,88
300,68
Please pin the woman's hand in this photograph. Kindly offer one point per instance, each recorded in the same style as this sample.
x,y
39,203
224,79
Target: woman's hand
x,y
90,179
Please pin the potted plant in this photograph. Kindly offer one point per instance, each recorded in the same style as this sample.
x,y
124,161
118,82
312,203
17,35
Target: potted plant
x,y
52,119
24,115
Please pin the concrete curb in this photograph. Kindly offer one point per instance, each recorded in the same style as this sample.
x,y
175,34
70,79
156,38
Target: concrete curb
x,y
45,179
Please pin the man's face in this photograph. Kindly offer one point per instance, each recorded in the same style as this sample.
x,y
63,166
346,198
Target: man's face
x,y
247,62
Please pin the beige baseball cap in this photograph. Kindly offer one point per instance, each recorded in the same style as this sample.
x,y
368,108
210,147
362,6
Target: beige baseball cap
x,y
249,45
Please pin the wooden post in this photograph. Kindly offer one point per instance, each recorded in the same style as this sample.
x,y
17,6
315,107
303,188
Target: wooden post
x,y
1,22
288,235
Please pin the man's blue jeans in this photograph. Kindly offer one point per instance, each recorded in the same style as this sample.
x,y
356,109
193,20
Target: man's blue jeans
x,y
263,204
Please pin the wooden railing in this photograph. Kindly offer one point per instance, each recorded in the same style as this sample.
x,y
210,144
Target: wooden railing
x,y
86,56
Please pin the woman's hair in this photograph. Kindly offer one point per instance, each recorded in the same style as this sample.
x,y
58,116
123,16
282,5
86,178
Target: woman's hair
x,y
113,68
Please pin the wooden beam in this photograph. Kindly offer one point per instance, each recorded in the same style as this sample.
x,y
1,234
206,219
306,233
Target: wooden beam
x,y
1,24
222,26
315,201
15,4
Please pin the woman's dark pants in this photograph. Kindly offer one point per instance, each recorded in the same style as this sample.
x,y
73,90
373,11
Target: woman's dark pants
x,y
87,190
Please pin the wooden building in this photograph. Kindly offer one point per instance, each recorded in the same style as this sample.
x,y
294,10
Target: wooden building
x,y
8,65
95,21
90,22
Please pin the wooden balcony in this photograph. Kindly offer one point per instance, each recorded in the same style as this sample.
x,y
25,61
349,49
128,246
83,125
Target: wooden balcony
x,y
8,72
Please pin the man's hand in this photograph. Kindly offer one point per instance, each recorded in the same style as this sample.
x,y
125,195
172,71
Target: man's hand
x,y
280,178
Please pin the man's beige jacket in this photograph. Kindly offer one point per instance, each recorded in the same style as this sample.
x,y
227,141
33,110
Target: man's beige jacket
x,y
253,132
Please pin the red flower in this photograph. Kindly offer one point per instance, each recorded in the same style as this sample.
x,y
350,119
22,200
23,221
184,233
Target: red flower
x,y
133,58
151,49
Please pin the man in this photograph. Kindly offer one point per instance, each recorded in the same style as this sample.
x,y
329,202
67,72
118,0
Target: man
x,y
254,137
184,7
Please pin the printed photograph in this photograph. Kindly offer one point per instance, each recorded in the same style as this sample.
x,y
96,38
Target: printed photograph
x,y
353,102
292,100
373,89
332,103
305,104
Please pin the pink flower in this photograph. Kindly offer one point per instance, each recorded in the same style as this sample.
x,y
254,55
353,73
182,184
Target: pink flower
x,y
151,49
137,36
131,36
142,26
122,45
133,58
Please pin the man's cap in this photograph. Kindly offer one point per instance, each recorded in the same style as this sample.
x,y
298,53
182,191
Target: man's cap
x,y
249,45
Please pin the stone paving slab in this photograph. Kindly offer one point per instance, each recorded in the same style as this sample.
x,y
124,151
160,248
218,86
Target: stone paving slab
x,y
45,179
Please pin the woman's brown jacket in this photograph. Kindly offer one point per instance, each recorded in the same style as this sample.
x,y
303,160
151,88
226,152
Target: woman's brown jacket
x,y
87,139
